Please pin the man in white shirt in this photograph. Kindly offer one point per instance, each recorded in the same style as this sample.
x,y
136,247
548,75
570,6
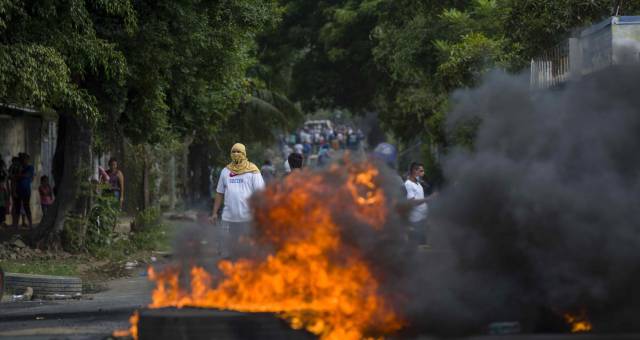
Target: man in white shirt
x,y
238,181
415,195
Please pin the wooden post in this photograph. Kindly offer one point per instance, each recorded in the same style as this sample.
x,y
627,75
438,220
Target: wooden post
x,y
172,182
145,177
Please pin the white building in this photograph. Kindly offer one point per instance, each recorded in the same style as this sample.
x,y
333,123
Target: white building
x,y
611,42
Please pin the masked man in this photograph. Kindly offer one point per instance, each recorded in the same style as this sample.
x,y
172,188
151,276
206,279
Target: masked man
x,y
237,182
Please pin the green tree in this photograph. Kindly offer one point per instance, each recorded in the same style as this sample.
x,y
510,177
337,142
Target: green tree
x,y
403,58
51,57
145,70
320,54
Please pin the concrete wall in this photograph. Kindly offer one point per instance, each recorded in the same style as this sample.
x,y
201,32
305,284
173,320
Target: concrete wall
x,y
626,44
614,41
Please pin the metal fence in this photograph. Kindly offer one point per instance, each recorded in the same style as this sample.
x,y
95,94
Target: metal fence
x,y
551,68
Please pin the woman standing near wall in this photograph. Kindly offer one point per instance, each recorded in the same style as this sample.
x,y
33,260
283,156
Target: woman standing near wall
x,y
116,181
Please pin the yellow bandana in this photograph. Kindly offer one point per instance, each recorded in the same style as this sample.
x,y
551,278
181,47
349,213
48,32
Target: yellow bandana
x,y
240,164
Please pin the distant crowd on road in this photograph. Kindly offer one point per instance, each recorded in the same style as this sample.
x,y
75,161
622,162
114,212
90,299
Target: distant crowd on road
x,y
317,139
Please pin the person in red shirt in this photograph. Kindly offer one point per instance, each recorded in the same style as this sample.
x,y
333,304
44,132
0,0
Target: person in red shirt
x,y
46,194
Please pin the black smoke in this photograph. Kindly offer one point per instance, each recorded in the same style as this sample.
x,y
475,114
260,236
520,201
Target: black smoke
x,y
541,216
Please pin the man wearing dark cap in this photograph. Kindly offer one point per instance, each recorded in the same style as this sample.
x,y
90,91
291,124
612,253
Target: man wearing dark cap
x,y
295,161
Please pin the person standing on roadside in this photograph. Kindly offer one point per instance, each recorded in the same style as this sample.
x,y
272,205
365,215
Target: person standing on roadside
x,y
12,180
238,181
23,191
4,192
268,171
418,230
296,161
4,174
46,194
116,182
4,201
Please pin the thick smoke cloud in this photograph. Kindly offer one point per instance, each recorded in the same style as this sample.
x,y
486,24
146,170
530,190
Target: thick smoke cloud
x,y
541,217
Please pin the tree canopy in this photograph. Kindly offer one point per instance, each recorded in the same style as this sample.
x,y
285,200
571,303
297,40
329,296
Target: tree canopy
x,y
207,71
150,71
402,58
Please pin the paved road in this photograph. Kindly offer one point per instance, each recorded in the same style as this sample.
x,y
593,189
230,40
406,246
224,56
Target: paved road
x,y
93,317
96,316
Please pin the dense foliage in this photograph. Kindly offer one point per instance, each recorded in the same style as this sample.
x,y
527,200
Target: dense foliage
x,y
403,58
214,72
150,71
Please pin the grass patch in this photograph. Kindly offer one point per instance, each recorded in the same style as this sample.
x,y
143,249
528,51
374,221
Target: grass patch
x,y
105,263
105,259
61,267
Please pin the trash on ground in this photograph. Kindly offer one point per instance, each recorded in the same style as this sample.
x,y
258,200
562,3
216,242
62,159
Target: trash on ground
x,y
130,265
61,296
26,296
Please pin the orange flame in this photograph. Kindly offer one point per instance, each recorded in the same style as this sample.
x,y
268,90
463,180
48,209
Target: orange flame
x,y
314,279
133,329
578,323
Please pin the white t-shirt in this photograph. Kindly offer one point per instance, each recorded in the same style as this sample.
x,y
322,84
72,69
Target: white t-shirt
x,y
236,190
287,167
415,191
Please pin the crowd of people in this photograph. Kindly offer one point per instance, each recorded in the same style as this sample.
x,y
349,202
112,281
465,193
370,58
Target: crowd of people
x,y
320,140
15,191
240,179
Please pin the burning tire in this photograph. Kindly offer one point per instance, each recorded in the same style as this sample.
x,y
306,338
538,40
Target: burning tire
x,y
43,285
196,324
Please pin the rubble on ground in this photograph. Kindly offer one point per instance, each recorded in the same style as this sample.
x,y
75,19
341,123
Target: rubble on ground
x,y
17,249
189,215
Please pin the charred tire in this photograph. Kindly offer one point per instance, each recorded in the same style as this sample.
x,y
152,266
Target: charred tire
x,y
196,324
42,285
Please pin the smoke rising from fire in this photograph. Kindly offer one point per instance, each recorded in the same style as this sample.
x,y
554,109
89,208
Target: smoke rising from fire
x,y
542,214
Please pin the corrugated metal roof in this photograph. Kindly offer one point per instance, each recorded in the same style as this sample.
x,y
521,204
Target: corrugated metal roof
x,y
626,20
17,110
23,109
622,20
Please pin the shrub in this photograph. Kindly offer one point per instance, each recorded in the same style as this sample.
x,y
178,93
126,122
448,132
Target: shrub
x,y
74,234
148,231
101,222
146,219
